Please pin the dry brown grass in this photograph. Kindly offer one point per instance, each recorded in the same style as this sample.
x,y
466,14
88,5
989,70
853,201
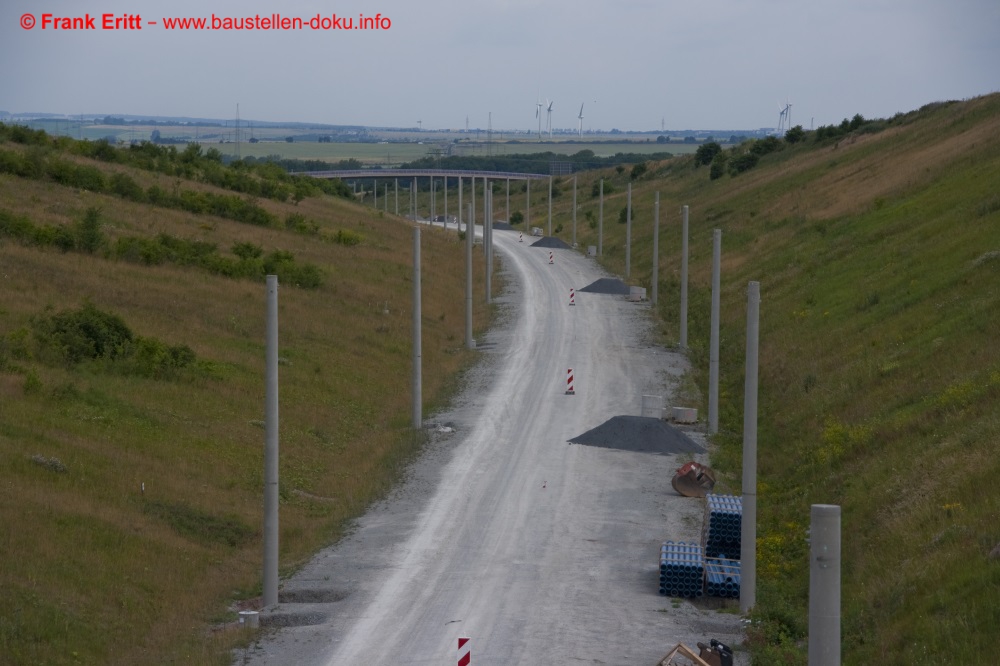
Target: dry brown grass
x,y
90,573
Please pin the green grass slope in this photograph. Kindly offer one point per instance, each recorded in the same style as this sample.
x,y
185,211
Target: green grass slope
x,y
132,354
878,255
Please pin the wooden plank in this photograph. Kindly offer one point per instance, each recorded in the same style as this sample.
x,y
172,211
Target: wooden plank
x,y
684,651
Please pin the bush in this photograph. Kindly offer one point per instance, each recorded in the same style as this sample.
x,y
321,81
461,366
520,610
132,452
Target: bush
x,y
765,146
73,336
795,135
152,358
247,251
274,190
123,185
718,169
16,226
104,151
348,238
517,217
89,237
192,202
59,236
72,175
60,171
140,251
623,215
23,230
298,223
186,252
595,191
88,334
706,153
282,264
11,162
157,195
742,163
639,170
191,153
22,134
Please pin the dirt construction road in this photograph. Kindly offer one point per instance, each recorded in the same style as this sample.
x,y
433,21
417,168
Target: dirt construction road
x,y
540,551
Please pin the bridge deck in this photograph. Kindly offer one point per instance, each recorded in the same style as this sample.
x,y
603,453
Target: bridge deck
x,y
422,173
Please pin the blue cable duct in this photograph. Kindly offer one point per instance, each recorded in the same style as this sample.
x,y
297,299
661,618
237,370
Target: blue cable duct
x,y
682,569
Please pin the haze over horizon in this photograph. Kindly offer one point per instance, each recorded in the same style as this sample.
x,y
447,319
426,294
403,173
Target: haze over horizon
x,y
637,65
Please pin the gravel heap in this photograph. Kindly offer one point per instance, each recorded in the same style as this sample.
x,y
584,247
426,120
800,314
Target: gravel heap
x,y
607,286
642,434
502,226
552,242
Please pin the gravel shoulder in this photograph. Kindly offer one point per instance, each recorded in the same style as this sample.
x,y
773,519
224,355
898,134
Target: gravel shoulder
x,y
540,550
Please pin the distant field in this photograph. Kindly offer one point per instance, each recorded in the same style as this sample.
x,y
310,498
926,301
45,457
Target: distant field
x,y
395,153
402,147
368,153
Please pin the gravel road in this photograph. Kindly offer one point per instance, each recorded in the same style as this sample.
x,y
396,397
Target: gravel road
x,y
539,550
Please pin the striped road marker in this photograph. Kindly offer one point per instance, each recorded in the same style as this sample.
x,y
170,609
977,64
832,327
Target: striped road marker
x,y
569,382
464,652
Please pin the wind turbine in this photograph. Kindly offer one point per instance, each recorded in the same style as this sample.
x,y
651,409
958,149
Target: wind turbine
x,y
538,114
784,117
548,117
580,118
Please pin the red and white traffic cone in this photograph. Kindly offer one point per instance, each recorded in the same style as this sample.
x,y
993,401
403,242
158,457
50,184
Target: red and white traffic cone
x,y
572,297
569,382
550,258
464,652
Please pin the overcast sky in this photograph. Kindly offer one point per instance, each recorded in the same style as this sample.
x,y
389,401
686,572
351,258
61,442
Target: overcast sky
x,y
701,64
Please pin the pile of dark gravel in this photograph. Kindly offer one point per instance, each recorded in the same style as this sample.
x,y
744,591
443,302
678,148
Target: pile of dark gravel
x,y
502,226
607,286
552,242
642,434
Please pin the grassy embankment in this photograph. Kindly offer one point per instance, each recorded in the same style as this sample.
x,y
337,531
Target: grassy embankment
x,y
96,571
878,255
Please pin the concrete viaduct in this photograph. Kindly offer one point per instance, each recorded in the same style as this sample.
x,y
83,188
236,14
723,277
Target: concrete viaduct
x,y
435,176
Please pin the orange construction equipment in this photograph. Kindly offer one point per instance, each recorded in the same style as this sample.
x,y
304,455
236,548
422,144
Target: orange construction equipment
x,y
693,480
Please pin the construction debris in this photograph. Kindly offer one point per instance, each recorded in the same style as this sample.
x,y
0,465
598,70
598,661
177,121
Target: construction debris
x,y
681,650
716,654
693,480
